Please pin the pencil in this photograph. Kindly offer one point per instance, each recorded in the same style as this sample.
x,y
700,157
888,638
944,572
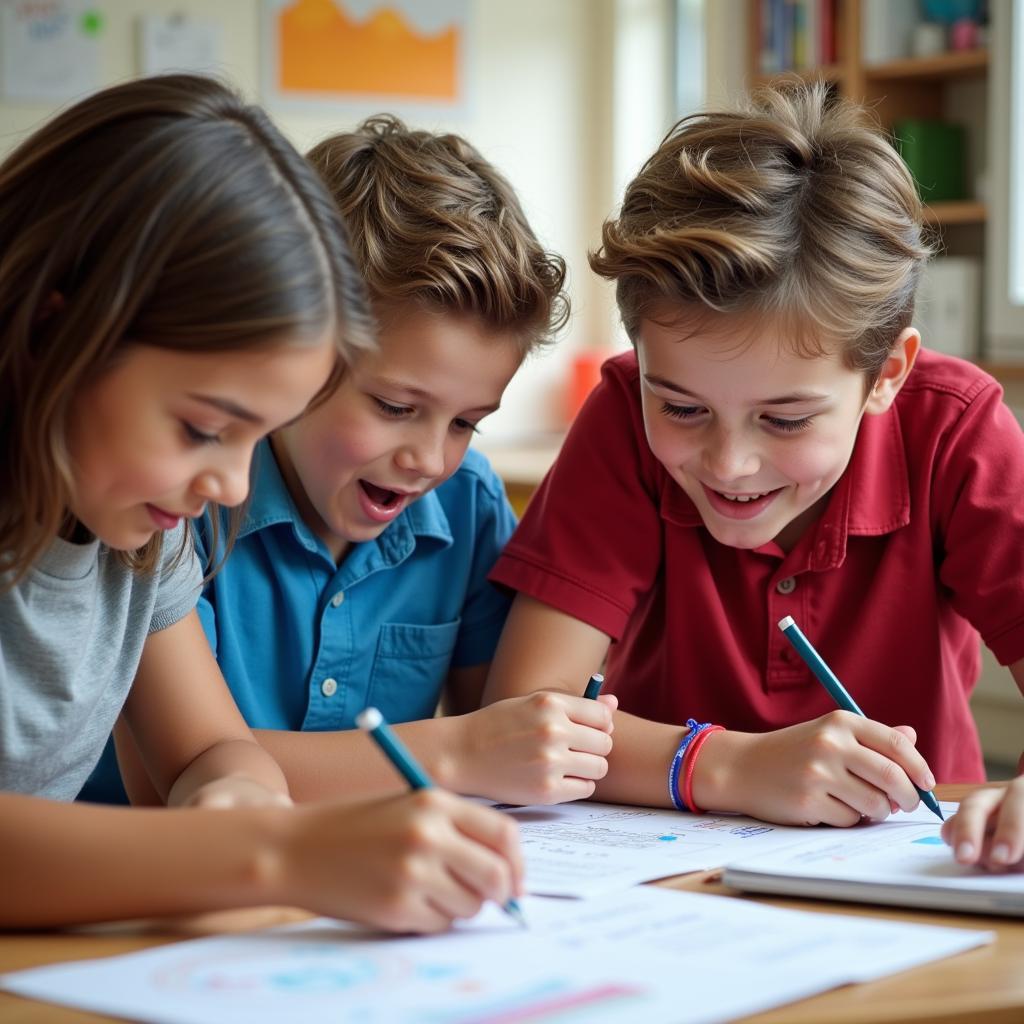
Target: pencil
x,y
828,679
371,721
593,690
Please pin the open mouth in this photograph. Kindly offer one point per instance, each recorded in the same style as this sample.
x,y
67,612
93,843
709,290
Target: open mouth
x,y
740,506
742,499
380,496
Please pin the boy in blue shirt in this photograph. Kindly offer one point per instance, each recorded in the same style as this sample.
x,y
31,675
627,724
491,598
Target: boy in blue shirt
x,y
359,575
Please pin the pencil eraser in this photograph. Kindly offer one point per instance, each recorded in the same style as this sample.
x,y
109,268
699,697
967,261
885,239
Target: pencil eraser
x,y
369,718
786,622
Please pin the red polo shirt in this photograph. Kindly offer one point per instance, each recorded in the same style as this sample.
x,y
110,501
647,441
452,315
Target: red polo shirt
x,y
920,548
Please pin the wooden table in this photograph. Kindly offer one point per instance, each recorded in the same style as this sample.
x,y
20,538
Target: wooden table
x,y
983,986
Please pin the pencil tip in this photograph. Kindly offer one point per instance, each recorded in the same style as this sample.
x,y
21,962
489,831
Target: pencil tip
x,y
514,911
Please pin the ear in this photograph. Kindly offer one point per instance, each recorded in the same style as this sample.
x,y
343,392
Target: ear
x,y
895,371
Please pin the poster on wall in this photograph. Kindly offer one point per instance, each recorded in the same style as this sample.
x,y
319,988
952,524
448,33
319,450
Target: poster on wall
x,y
406,56
49,49
174,42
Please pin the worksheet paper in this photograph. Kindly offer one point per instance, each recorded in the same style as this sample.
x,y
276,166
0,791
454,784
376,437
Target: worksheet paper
x,y
647,954
585,848
901,861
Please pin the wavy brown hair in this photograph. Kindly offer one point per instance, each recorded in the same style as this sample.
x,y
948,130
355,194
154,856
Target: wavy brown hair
x,y
794,206
166,212
431,221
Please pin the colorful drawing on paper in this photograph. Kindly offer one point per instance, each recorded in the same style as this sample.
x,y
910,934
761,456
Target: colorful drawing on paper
x,y
306,975
352,50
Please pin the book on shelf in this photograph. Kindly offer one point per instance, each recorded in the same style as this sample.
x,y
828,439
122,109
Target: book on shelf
x,y
797,35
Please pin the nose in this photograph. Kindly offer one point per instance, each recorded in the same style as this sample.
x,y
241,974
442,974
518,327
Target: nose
x,y
728,457
227,484
423,455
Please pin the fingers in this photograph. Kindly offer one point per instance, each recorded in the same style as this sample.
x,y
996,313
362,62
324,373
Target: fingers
x,y
896,746
596,714
988,829
495,838
965,832
1008,839
587,741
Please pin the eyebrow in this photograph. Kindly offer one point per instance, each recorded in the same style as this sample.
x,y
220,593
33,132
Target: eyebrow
x,y
790,399
411,389
231,408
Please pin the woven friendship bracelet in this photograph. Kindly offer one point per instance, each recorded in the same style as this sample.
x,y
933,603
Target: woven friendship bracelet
x,y
689,760
677,762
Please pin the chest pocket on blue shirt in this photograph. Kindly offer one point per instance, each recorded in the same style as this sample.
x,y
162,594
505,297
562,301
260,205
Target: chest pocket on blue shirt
x,y
410,668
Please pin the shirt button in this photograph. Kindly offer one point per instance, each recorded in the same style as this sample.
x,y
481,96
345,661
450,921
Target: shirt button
x,y
786,586
338,598
329,687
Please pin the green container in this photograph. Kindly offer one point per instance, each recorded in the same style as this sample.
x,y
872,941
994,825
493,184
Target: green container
x,y
934,152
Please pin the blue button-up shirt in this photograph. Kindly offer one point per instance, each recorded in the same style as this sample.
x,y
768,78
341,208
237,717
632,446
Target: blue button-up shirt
x,y
306,644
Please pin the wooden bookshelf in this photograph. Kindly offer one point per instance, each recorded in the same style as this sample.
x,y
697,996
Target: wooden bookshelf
x,y
964,64
965,211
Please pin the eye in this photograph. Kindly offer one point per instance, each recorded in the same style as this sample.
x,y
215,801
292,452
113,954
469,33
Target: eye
x,y
396,411
461,426
197,436
681,412
788,426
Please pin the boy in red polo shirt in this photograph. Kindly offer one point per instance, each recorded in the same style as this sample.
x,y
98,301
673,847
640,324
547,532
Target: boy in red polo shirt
x,y
766,451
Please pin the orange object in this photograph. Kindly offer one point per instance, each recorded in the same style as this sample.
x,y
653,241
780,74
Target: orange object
x,y
584,374
324,50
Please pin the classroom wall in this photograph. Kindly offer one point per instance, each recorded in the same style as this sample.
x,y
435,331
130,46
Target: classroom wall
x,y
548,81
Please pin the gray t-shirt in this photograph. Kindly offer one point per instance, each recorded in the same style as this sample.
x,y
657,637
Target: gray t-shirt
x,y
71,636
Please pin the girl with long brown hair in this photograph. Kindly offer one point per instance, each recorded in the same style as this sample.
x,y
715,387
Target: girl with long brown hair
x,y
174,284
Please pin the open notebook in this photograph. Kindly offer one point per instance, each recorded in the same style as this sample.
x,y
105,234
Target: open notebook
x,y
901,861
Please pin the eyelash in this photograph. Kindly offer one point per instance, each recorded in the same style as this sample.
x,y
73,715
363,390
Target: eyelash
x,y
685,412
401,411
197,436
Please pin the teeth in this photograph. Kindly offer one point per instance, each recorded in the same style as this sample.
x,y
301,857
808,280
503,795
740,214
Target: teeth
x,y
742,498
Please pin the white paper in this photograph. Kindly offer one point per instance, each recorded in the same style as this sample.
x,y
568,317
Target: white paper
x,y
49,50
635,956
178,43
902,860
584,848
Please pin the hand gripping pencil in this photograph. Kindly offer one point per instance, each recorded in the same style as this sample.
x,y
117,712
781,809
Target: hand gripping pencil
x,y
828,679
370,720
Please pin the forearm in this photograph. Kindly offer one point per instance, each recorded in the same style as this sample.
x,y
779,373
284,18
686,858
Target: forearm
x,y
230,758
345,763
65,864
639,762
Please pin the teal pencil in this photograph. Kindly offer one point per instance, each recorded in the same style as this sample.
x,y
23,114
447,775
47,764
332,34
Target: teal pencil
x,y
593,690
816,663
370,720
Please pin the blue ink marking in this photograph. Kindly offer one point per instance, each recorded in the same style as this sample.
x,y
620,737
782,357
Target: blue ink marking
x,y
668,839
930,841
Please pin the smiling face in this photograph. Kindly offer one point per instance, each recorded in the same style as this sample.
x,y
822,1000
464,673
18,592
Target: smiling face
x,y
399,424
755,433
163,432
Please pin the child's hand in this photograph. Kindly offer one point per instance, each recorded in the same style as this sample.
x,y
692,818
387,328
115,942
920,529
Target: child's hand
x,y
833,770
235,791
989,827
543,748
412,863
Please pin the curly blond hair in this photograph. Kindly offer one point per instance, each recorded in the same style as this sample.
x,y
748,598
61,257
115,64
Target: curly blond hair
x,y
431,221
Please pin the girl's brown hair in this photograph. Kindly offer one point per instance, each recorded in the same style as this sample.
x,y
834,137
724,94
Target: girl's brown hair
x,y
796,206
430,220
166,212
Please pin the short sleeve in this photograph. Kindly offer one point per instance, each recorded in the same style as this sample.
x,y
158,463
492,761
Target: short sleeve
x,y
180,578
486,605
590,543
979,482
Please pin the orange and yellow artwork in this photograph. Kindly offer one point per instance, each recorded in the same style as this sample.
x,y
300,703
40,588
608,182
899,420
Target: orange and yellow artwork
x,y
387,48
